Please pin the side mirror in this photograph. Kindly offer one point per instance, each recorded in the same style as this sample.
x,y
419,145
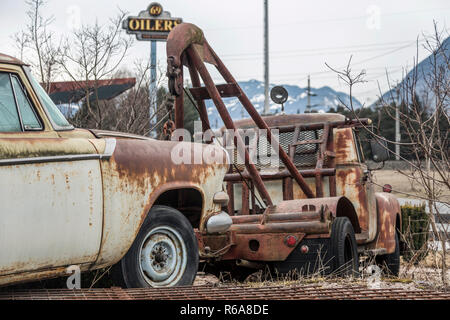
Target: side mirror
x,y
380,151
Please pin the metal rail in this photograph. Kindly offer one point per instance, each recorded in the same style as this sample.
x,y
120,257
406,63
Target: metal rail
x,y
208,292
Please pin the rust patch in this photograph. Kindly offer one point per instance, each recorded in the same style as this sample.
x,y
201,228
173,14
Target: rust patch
x,y
137,161
13,148
349,184
67,179
344,146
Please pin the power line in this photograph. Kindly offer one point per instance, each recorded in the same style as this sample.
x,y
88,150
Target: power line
x,y
318,53
303,75
356,63
384,54
297,78
325,21
296,55
377,44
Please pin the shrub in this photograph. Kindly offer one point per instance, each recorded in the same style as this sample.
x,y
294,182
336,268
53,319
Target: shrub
x,y
415,231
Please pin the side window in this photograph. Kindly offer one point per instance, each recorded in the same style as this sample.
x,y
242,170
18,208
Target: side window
x,y
362,140
9,117
29,118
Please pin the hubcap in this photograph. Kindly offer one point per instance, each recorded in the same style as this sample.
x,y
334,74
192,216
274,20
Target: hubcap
x,y
163,257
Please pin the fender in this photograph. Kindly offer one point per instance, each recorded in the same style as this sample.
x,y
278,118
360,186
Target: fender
x,y
133,178
388,220
176,185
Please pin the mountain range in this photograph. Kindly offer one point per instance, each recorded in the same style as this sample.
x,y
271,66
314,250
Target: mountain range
x,y
422,74
322,99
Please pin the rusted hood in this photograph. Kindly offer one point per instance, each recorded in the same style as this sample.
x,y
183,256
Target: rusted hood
x,y
290,119
168,160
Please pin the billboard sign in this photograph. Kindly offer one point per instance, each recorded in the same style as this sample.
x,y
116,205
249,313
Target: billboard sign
x,y
151,24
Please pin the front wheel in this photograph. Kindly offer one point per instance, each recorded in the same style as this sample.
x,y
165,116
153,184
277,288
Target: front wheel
x,y
164,253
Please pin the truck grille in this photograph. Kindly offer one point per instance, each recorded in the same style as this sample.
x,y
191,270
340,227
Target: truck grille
x,y
305,155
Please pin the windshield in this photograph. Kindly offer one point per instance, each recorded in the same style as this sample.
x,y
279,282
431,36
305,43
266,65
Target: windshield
x,y
56,117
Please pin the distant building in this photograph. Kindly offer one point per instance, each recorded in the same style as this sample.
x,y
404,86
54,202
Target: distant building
x,y
68,95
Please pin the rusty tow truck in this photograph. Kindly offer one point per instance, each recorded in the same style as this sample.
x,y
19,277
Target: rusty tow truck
x,y
92,199
315,211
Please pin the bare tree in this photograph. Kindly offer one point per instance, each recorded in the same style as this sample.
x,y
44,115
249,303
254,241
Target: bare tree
x,y
21,40
39,42
423,111
92,53
87,55
131,111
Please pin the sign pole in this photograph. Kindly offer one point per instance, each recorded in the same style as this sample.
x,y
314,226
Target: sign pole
x,y
152,24
152,92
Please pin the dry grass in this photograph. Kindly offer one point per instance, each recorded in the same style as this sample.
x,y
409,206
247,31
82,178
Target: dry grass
x,y
423,276
401,185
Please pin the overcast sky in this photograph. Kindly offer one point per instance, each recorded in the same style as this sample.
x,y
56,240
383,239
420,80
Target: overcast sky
x,y
303,34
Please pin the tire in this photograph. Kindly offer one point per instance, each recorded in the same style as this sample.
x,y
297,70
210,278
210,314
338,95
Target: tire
x,y
390,263
344,248
164,253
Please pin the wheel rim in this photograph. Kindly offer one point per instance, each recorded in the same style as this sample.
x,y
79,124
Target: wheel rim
x,y
162,257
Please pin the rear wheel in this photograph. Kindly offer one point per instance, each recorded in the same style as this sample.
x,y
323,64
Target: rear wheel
x,y
390,263
164,253
344,248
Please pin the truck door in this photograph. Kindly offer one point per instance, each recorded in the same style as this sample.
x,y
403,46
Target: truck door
x,y
366,188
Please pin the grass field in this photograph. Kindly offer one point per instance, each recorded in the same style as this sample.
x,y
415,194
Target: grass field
x,y
402,186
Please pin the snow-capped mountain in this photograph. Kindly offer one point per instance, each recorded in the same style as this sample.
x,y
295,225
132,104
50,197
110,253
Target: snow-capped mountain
x,y
424,73
322,100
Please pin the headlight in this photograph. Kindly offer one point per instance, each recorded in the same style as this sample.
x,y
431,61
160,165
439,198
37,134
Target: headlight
x,y
219,223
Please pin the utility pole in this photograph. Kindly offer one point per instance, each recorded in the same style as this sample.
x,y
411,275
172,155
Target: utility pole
x,y
266,57
309,95
397,126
